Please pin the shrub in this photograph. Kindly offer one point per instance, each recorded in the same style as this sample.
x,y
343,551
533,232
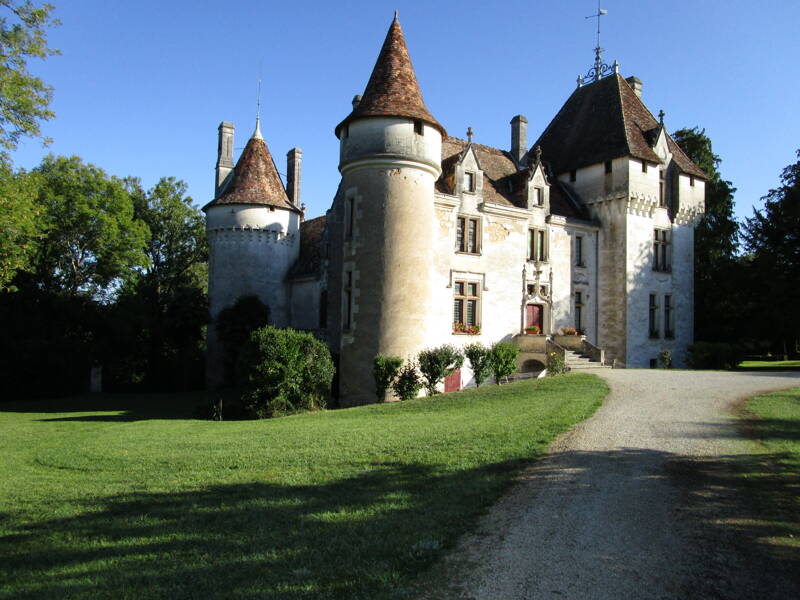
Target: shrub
x,y
556,364
665,358
480,361
714,355
504,360
234,324
385,369
281,371
437,363
569,331
408,383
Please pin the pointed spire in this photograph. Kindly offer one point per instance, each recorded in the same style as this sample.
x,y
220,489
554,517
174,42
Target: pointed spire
x,y
257,133
392,90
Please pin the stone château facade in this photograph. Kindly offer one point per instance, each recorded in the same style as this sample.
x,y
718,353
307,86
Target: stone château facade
x,y
433,239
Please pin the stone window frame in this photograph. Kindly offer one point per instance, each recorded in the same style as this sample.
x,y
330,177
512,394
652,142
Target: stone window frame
x,y
579,310
538,245
662,249
579,257
469,182
347,300
462,245
538,196
349,216
419,127
662,188
652,321
669,318
466,291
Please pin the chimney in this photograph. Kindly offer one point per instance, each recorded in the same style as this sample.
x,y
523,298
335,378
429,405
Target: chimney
x,y
224,156
356,101
294,158
636,85
519,134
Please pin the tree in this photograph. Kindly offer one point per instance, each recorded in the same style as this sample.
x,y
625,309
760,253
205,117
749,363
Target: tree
x,y
772,236
504,360
93,242
20,224
437,363
480,361
24,98
717,272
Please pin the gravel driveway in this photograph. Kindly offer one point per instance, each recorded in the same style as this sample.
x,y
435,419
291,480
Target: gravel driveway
x,y
636,502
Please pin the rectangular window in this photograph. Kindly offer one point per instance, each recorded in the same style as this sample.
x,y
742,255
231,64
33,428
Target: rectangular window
x,y
691,180
467,235
538,197
662,192
669,329
418,127
608,166
537,245
579,251
348,301
573,175
644,166
469,181
661,250
466,305
579,311
653,317
349,217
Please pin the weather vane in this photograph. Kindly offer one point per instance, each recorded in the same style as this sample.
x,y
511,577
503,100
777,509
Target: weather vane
x,y
599,70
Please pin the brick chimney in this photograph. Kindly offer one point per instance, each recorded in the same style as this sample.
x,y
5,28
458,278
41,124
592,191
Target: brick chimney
x,y
636,85
519,135
294,159
224,156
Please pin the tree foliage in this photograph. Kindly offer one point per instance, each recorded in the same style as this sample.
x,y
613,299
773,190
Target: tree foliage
x,y
20,224
772,237
480,361
504,360
717,273
24,98
437,363
93,242
384,370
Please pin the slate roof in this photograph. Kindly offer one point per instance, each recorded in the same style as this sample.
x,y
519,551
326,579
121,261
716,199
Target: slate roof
x,y
310,258
255,180
392,90
503,183
605,120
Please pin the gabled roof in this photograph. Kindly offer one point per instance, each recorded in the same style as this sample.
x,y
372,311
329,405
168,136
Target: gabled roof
x,y
503,183
392,90
601,121
310,258
255,179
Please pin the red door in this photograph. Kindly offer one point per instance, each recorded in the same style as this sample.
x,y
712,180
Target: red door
x,y
452,383
533,316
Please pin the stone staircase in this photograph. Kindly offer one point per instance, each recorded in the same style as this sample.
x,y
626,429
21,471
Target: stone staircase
x,y
579,362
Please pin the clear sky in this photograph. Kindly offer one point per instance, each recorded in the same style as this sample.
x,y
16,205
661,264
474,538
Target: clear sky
x,y
141,86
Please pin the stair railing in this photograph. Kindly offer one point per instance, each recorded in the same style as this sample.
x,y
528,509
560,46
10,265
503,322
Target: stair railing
x,y
593,352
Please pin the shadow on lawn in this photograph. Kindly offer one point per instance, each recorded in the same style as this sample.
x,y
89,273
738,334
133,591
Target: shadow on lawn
x,y
359,537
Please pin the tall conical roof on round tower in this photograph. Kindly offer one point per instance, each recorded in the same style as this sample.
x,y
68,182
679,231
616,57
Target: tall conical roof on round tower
x,y
392,90
255,179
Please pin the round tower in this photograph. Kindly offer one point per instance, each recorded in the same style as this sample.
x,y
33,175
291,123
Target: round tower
x,y
253,240
390,159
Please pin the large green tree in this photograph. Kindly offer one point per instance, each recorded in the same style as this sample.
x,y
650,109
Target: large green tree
x,y
20,223
772,237
24,98
93,242
716,240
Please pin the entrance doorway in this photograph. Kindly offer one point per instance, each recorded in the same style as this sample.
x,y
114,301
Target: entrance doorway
x,y
534,316
452,383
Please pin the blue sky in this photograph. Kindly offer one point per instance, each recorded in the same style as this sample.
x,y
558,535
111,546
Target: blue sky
x,y
141,86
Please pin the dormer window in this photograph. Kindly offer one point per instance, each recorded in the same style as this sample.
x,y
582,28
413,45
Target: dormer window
x,y
662,191
469,181
418,128
538,196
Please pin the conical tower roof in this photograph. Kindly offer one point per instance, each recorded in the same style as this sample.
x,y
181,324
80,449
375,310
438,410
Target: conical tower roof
x,y
255,179
392,90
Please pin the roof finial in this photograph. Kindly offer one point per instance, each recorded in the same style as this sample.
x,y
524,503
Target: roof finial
x,y
599,69
537,153
395,14
257,133
661,117
470,133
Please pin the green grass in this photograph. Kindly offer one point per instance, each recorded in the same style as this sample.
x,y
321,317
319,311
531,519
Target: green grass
x,y
773,421
123,497
770,364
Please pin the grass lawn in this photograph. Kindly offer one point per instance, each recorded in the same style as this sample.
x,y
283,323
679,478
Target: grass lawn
x,y
774,421
124,497
769,364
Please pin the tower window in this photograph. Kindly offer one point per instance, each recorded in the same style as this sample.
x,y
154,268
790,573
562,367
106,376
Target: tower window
x,y
644,166
418,127
349,217
347,322
661,250
691,180
608,165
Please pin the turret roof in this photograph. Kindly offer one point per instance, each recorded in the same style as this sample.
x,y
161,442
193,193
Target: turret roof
x,y
605,120
392,90
255,179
